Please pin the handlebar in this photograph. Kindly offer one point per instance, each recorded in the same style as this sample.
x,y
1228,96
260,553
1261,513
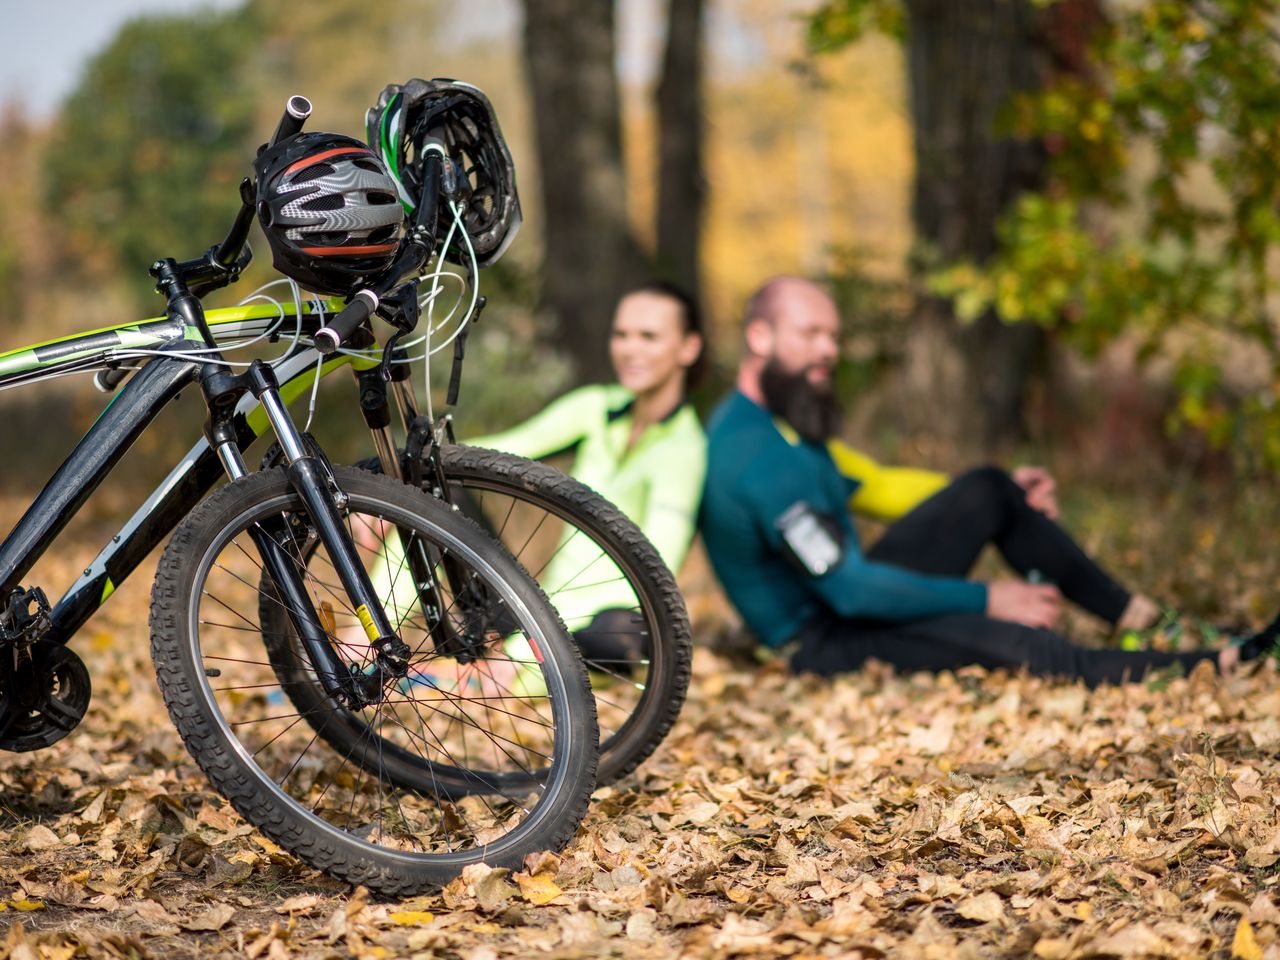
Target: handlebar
x,y
223,263
296,111
333,335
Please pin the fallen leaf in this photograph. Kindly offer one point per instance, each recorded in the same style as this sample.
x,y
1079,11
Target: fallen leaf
x,y
539,890
41,837
985,907
302,903
1135,940
493,892
213,919
411,918
1244,945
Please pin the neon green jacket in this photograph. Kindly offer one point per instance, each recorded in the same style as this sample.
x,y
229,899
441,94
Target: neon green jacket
x,y
657,483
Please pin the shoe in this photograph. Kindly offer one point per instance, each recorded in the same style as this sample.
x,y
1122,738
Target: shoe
x,y
1168,631
1266,642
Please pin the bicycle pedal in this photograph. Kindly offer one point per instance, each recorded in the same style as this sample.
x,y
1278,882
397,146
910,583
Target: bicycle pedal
x,y
26,616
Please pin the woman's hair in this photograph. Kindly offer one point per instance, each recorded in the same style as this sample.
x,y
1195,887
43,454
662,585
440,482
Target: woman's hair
x,y
690,320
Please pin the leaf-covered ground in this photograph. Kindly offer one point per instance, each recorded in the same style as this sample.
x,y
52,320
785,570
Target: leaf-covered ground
x,y
970,815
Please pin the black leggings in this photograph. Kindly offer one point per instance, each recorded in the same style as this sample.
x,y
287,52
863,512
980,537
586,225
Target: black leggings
x,y
612,642
944,536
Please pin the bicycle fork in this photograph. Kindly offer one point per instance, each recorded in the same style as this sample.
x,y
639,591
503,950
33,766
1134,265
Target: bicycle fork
x,y
310,477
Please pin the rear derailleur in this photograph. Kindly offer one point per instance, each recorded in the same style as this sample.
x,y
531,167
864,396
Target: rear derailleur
x,y
44,685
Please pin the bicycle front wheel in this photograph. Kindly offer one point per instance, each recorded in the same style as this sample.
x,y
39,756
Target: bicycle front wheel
x,y
484,753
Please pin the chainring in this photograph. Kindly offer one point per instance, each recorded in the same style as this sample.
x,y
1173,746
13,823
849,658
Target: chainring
x,y
46,696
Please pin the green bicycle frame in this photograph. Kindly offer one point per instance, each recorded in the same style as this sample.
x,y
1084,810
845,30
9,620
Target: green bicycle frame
x,y
122,421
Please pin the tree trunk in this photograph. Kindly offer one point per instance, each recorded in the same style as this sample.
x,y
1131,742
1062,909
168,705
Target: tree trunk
x,y
966,60
591,254
681,185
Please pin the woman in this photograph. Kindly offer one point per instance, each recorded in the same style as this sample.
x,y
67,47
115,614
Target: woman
x,y
639,444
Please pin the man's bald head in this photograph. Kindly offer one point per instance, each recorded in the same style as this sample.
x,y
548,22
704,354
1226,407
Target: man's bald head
x,y
781,295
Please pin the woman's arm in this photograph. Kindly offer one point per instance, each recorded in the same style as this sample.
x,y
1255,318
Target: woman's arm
x,y
671,510
559,426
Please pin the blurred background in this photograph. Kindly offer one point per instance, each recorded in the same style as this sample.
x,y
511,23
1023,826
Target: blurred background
x,y
1050,224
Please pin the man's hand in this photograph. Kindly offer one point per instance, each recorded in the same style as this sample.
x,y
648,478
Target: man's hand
x,y
1041,488
1030,604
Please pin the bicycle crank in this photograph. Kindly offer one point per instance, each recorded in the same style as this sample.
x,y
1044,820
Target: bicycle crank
x,y
46,697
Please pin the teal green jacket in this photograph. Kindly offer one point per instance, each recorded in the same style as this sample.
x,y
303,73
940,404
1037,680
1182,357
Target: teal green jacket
x,y
755,474
657,483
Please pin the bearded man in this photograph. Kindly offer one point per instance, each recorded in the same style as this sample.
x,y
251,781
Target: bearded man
x,y
777,527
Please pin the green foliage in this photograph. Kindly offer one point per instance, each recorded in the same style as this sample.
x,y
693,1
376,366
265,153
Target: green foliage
x,y
838,23
151,145
1162,210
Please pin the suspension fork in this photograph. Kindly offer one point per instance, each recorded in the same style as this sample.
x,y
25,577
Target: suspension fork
x,y
310,478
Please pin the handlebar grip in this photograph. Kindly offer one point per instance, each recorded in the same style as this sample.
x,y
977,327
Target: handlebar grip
x,y
296,112
107,380
330,337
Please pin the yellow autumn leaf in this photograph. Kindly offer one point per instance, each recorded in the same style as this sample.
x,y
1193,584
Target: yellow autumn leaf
x,y
266,845
26,906
412,918
1245,945
538,890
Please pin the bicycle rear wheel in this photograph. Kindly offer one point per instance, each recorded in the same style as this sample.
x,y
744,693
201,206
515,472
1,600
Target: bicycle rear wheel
x,y
584,552
488,760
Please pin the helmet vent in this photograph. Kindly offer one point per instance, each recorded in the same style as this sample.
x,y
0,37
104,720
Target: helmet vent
x,y
382,235
330,201
313,172
377,197
366,163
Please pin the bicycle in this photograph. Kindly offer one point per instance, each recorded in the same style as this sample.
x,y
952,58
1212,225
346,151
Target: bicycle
x,y
415,797
541,515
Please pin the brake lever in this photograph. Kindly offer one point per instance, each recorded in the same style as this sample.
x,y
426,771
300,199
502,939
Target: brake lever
x,y
403,314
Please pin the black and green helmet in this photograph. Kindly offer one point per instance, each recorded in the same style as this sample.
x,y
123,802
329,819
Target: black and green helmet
x,y
329,211
462,117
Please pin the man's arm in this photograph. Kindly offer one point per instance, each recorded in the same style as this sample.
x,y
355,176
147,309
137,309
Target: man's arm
x,y
858,587
557,427
886,493
783,502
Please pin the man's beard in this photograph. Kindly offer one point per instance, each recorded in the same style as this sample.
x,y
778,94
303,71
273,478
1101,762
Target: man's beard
x,y
811,411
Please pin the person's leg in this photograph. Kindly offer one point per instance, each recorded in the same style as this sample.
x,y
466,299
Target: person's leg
x,y
945,534
945,643
615,641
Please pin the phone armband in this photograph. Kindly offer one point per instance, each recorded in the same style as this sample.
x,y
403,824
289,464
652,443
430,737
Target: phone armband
x,y
812,540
